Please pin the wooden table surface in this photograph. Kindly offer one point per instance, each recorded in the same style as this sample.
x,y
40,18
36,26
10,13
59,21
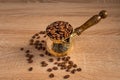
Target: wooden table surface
x,y
96,51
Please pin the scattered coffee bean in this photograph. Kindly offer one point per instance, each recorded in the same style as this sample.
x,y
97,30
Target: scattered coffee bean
x,y
51,75
38,37
74,65
66,76
21,49
27,51
51,60
43,64
73,71
58,59
79,69
55,63
27,55
30,69
49,69
41,55
55,68
30,61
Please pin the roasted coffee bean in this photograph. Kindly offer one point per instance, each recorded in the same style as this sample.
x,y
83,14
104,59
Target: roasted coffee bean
x,y
70,62
58,59
38,37
30,43
43,62
27,55
51,60
73,71
45,36
74,65
41,55
36,34
43,48
42,32
27,51
66,76
30,61
43,41
31,56
44,65
33,37
49,69
51,75
79,69
30,69
31,40
21,49
68,70
55,63
55,68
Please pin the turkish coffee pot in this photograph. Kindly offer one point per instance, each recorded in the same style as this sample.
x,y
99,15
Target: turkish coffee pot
x,y
61,33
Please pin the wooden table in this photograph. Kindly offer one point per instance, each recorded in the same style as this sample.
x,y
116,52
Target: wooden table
x,y
96,51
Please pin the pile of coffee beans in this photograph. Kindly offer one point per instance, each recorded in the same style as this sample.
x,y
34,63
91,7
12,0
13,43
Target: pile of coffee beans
x,y
59,30
38,41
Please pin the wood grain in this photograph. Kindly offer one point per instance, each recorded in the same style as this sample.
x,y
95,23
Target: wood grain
x,y
96,51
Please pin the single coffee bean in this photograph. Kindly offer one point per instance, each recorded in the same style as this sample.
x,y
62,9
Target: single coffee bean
x,y
74,65
21,49
41,55
27,51
51,60
73,71
38,37
49,69
79,69
51,75
30,69
58,59
66,76
43,62
55,68
30,61
55,63
27,55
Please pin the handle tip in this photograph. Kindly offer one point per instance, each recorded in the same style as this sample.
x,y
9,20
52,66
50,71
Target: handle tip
x,y
103,14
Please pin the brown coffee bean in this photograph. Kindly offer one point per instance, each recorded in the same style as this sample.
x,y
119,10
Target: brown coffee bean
x,y
21,49
36,34
55,63
27,55
43,62
33,37
66,76
79,69
49,69
73,71
58,59
55,68
68,70
30,69
27,51
43,48
74,65
41,55
51,75
31,40
44,65
30,61
70,62
38,37
51,60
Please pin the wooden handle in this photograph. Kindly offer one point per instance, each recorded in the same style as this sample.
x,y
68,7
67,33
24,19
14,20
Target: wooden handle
x,y
92,21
